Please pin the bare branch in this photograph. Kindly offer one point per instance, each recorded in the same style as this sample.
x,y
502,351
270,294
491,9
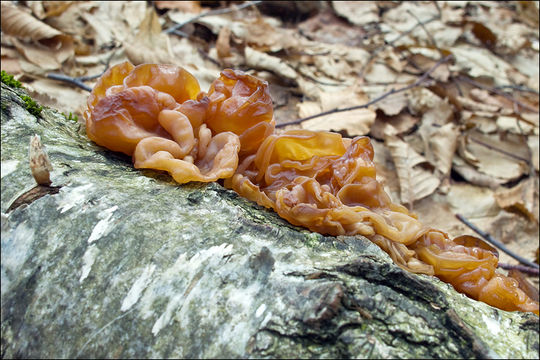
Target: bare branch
x,y
71,80
79,81
496,243
524,269
498,92
391,92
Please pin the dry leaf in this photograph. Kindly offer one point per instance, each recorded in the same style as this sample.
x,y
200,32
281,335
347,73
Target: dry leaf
x,y
415,181
183,6
49,54
49,47
263,35
472,201
354,122
347,97
402,123
357,12
392,105
442,144
223,45
262,61
325,28
19,23
532,141
40,165
478,62
476,106
514,125
505,160
150,45
522,197
114,22
473,176
333,67
528,11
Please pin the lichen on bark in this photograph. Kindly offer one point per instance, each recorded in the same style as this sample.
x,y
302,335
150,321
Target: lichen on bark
x,y
126,263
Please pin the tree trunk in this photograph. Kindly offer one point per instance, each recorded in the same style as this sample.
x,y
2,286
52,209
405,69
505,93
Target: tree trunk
x,y
112,262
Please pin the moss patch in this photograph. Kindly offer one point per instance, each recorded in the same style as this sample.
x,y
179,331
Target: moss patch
x,y
9,80
32,106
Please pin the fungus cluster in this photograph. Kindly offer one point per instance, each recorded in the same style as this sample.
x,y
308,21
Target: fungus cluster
x,y
320,180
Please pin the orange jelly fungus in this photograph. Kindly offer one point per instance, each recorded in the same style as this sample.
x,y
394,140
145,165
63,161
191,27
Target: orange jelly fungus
x,y
319,180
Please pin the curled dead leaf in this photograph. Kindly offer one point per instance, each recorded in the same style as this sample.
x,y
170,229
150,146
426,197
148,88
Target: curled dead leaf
x,y
223,45
22,25
357,12
354,122
415,181
522,198
40,165
442,146
402,123
534,148
260,60
503,158
150,45
40,43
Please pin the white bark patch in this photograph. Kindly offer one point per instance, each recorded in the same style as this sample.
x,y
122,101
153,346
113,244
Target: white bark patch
x,y
74,197
89,258
103,226
16,248
8,166
260,310
493,326
137,288
202,262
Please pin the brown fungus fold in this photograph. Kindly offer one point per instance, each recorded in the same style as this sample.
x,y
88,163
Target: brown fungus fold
x,y
319,180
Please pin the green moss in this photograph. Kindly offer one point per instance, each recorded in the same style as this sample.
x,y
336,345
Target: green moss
x,y
9,80
71,117
32,107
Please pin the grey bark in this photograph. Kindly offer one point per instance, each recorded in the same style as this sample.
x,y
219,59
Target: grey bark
x,y
116,262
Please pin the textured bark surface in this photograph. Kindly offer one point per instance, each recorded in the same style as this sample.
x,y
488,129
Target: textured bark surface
x,y
117,262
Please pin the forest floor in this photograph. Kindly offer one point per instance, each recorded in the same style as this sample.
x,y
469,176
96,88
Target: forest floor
x,y
447,91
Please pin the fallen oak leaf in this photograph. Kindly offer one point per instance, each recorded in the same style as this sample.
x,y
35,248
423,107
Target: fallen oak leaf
x,y
522,197
40,43
415,181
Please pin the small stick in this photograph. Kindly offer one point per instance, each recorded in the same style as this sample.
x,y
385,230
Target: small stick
x,y
498,92
391,43
391,92
211,12
496,243
431,38
78,81
70,80
524,269
518,88
491,147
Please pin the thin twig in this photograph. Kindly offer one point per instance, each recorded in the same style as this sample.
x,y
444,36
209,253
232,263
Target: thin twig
x,y
518,88
498,92
391,92
70,80
491,147
211,12
79,81
524,269
391,43
431,38
496,243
